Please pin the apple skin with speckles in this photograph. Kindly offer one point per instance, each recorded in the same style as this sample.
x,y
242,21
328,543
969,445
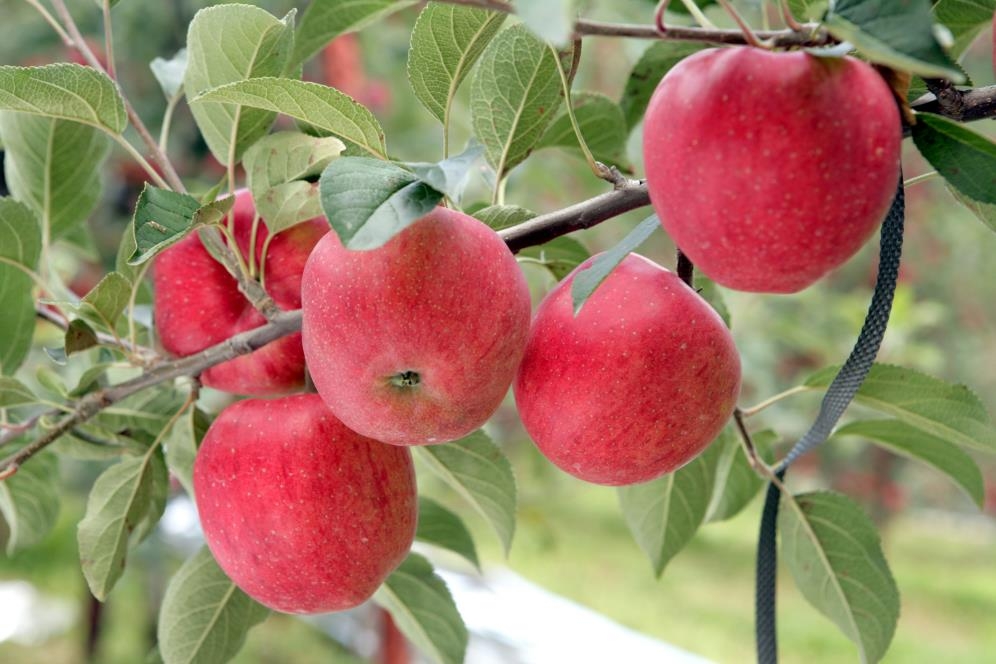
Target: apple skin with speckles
x,y
769,169
636,385
415,342
198,303
303,514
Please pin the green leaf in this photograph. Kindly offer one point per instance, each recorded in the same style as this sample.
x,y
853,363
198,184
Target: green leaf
x,y
65,92
446,42
897,33
736,482
162,218
477,469
808,10
90,442
965,19
985,213
560,255
324,20
450,176
445,529
950,412
107,301
15,393
79,337
966,160
424,611
225,44
711,293
550,20
503,216
833,551
601,122
125,503
665,513
54,167
276,170
320,106
29,502
513,96
181,446
148,411
587,281
20,248
647,73
170,73
901,438
204,617
368,201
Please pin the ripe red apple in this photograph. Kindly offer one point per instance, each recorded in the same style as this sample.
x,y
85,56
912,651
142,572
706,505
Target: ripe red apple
x,y
768,169
415,342
636,385
198,303
303,514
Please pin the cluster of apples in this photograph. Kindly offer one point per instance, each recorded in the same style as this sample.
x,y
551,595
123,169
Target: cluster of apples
x,y
767,169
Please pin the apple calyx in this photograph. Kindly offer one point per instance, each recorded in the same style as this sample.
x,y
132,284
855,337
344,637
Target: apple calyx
x,y
405,379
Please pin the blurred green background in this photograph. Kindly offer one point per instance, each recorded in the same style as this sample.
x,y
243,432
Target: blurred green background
x,y
571,537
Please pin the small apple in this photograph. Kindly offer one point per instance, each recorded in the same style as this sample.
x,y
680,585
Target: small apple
x,y
417,341
636,385
198,303
768,169
303,514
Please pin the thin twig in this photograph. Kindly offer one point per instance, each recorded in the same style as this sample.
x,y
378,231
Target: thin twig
x,y
770,401
750,451
112,70
66,39
158,156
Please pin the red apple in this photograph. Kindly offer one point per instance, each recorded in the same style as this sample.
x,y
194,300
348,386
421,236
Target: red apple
x,y
636,385
768,169
198,303
415,342
303,514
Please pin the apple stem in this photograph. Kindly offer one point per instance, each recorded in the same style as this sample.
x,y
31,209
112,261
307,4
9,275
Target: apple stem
x,y
749,36
659,24
750,451
789,18
685,268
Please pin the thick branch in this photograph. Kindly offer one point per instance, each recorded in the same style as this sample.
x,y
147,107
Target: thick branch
x,y
87,407
960,105
628,195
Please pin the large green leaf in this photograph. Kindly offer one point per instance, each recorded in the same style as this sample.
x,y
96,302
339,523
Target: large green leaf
x,y
54,167
602,125
902,438
125,503
515,93
445,529
503,216
66,92
320,106
477,469
950,412
446,42
276,170
833,551
665,513
965,19
966,160
323,20
736,482
20,247
897,33
647,73
587,281
367,201
15,393
105,303
29,501
423,610
204,617
451,175
983,212
225,44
